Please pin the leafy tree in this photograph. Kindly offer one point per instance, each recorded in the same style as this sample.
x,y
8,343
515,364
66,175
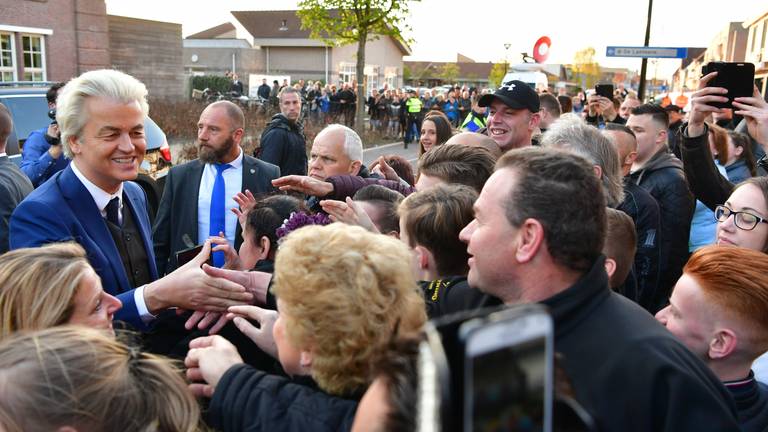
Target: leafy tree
x,y
342,22
586,68
498,70
407,74
449,72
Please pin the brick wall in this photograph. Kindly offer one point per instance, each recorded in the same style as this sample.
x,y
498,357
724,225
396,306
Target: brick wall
x,y
79,39
151,51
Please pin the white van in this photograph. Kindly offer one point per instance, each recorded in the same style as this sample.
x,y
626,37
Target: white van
x,y
537,80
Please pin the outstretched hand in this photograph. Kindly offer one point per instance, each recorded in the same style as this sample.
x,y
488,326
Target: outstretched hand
x,y
208,359
190,287
303,184
256,283
348,212
246,201
700,108
754,109
384,169
262,335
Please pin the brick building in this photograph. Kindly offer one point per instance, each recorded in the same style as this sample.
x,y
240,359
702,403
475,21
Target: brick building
x,y
149,50
52,40
757,49
55,40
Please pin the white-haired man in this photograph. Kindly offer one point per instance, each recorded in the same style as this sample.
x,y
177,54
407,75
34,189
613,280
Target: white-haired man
x,y
93,202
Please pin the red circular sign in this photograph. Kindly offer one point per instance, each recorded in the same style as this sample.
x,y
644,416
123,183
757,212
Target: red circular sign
x,y
541,49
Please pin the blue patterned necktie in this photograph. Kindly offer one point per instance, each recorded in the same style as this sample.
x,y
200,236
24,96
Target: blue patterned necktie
x,y
218,210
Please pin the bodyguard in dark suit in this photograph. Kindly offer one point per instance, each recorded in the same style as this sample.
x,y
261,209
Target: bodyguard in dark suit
x,y
14,184
93,202
199,194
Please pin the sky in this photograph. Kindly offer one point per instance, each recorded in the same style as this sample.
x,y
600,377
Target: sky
x,y
443,28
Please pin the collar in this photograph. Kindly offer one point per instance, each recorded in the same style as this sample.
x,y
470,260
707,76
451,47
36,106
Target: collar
x,y
237,163
100,196
745,392
569,306
3,154
748,381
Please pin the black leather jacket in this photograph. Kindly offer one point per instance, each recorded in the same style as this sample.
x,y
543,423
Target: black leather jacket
x,y
663,177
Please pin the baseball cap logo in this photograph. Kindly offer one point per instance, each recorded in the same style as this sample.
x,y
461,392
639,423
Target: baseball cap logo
x,y
508,86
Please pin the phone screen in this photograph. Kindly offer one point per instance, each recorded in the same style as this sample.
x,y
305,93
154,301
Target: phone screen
x,y
604,90
186,255
507,387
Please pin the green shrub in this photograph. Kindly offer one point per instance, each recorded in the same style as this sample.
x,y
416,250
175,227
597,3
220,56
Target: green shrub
x,y
214,82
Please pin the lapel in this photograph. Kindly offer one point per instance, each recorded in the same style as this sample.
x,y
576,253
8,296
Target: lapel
x,y
89,217
250,177
190,188
133,203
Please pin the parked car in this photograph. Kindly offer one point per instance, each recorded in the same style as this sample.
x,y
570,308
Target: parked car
x,y
29,109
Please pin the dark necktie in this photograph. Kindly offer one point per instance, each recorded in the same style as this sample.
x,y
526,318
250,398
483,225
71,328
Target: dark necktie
x,y
113,210
218,210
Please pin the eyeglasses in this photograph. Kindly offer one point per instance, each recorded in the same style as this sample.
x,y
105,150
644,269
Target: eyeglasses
x,y
743,220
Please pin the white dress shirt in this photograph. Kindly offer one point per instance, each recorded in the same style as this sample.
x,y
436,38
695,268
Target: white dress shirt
x,y
233,181
102,198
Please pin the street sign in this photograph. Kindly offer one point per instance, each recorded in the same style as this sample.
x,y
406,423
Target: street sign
x,y
646,52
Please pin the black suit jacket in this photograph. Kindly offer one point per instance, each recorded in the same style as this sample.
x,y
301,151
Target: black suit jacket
x,y
177,213
14,187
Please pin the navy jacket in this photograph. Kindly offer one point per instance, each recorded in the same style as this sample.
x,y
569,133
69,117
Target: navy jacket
x,y
250,400
36,163
627,370
62,209
283,144
14,187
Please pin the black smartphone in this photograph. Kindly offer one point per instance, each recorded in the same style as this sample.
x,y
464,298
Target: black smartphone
x,y
485,368
604,90
508,373
738,78
186,255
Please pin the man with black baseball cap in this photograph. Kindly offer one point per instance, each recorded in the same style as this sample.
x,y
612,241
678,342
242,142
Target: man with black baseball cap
x,y
513,114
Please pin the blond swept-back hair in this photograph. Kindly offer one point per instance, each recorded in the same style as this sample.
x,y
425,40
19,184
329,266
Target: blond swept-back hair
x,y
79,377
38,286
106,83
346,291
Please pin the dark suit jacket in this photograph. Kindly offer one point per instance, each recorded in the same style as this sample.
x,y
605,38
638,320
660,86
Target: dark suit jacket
x,y
14,186
177,213
62,209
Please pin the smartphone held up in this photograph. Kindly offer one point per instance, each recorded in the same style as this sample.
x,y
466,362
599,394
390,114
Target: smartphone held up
x,y
737,78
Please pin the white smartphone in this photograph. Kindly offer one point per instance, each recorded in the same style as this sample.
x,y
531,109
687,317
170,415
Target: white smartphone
x,y
508,372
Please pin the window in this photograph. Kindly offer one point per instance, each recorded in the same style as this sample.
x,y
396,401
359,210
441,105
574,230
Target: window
x,y
765,30
390,76
371,78
752,37
7,69
34,53
347,72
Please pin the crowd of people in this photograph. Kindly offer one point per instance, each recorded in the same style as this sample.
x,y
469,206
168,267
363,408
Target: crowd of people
x,y
291,291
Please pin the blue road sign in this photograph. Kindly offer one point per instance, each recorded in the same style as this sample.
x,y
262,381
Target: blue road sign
x,y
646,52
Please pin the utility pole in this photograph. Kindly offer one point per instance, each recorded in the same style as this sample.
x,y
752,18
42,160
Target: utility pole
x,y
644,64
506,59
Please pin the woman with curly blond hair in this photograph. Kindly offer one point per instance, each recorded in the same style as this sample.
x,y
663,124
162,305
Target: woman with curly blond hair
x,y
72,378
342,293
52,285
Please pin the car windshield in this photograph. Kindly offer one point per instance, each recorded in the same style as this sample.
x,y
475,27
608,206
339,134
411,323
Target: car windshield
x,y
30,112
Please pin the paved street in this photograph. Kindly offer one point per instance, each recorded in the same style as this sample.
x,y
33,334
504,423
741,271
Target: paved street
x,y
371,154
